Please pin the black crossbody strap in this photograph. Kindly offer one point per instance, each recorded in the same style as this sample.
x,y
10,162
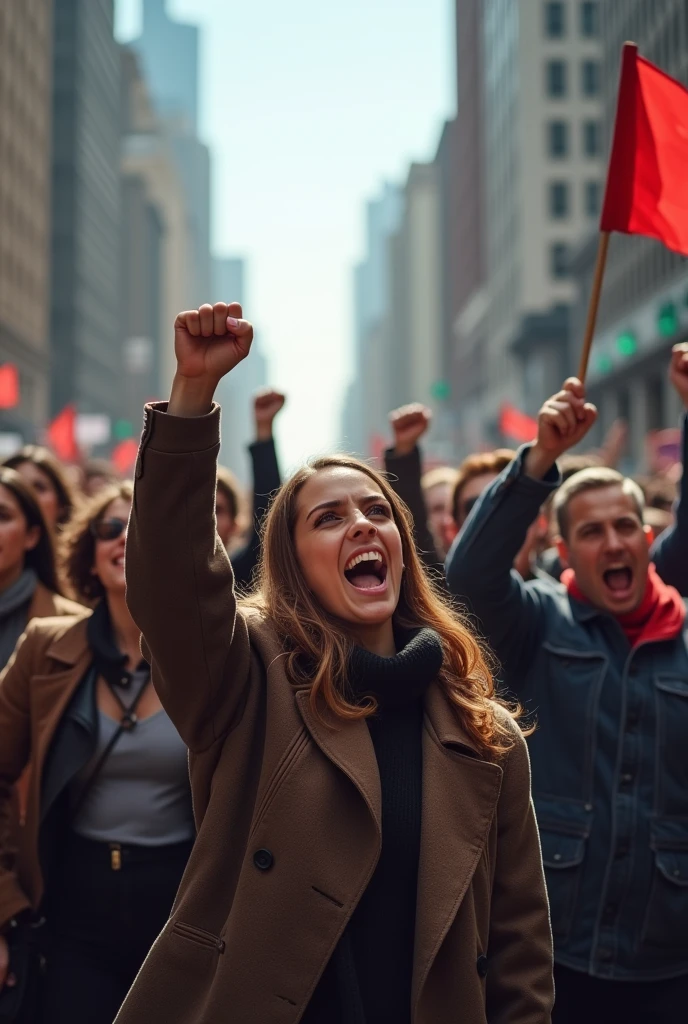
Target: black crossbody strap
x,y
127,723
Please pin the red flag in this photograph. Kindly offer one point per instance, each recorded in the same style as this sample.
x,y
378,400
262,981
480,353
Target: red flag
x,y
647,184
515,424
124,455
61,435
9,386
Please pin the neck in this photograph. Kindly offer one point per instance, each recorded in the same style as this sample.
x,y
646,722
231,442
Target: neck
x,y
125,632
377,639
10,576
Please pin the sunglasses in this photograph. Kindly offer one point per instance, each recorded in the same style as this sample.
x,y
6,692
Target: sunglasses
x,y
108,529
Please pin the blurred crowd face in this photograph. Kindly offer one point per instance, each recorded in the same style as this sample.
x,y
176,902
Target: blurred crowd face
x,y
438,505
44,490
111,536
358,521
608,547
16,538
470,492
226,522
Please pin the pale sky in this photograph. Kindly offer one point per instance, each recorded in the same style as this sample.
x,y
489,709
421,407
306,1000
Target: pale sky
x,y
308,106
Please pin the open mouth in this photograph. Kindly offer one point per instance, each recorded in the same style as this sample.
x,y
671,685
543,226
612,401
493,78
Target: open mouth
x,y
367,571
619,581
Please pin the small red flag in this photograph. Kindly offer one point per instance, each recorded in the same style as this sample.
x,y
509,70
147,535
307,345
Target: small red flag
x,y
9,386
61,435
124,455
647,183
516,425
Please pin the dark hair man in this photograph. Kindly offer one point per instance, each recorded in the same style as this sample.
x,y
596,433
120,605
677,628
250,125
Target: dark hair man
x,y
602,661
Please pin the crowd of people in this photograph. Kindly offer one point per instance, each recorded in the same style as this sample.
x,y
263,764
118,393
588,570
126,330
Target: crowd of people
x,y
374,747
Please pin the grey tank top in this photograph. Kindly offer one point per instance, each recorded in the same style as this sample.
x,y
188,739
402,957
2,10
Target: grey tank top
x,y
141,794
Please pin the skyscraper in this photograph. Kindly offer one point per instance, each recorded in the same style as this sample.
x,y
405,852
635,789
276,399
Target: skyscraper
x,y
168,52
25,115
86,204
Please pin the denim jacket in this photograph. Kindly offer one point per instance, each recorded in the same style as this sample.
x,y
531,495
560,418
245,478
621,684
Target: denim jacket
x,y
610,753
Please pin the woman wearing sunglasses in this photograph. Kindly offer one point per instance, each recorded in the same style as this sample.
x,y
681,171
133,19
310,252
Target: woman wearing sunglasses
x,y
367,850
109,823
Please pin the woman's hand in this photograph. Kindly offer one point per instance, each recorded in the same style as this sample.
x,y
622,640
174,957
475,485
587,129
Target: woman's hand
x,y
5,978
208,343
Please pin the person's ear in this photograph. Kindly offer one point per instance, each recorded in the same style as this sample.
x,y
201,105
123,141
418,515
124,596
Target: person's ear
x,y
33,535
562,550
649,535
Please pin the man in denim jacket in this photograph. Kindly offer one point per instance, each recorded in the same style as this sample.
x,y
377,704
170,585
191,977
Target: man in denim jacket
x,y
601,661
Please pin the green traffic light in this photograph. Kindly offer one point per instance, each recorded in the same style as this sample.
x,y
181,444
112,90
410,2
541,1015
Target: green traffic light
x,y
627,344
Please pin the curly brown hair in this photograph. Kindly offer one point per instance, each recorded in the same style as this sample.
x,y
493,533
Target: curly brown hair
x,y
46,461
315,639
79,542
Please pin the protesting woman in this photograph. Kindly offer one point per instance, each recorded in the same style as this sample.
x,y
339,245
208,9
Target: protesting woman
x,y
109,824
29,586
367,850
41,470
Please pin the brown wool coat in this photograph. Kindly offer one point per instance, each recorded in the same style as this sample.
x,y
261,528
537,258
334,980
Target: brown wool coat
x,y
35,688
288,808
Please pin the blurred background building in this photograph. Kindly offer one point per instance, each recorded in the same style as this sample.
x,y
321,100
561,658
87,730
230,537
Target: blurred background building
x,y
496,240
26,44
105,213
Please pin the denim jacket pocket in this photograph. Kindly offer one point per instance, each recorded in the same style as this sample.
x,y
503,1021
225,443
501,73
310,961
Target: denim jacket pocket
x,y
563,835
666,919
671,706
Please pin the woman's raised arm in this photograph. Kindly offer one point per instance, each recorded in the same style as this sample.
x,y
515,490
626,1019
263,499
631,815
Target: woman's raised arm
x,y
179,581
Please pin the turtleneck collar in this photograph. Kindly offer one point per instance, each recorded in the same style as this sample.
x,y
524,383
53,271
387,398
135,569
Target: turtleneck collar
x,y
402,678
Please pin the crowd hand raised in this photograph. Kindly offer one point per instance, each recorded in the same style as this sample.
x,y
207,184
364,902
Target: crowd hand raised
x,y
208,343
408,424
563,421
678,370
266,404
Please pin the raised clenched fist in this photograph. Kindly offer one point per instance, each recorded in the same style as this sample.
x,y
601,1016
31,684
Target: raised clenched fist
x,y
563,421
266,404
408,424
678,370
210,341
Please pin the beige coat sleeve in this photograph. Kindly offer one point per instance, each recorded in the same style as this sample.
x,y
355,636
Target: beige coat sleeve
x,y
15,748
179,581
520,987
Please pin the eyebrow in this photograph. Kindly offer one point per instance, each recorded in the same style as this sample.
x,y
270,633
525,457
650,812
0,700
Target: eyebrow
x,y
338,502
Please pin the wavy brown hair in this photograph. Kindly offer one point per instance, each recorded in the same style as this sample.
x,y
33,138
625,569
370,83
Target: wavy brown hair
x,y
41,558
79,542
318,645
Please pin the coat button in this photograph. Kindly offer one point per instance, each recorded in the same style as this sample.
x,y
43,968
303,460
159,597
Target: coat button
x,y
263,860
481,966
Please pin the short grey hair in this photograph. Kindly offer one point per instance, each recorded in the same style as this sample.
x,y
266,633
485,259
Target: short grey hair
x,y
593,479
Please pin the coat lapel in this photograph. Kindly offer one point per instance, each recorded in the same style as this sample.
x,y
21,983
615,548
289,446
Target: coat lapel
x,y
460,793
347,745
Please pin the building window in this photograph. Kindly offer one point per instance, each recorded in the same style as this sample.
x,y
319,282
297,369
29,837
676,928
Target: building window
x,y
556,78
590,78
558,139
593,198
558,199
590,19
559,260
555,25
592,138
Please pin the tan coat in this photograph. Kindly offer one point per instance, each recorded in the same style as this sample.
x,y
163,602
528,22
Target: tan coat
x,y
288,809
46,603
35,688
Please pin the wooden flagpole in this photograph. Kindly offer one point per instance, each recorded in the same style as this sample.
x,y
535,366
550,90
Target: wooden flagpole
x,y
594,304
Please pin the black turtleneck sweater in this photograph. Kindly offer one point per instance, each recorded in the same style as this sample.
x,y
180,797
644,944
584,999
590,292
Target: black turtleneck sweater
x,y
371,971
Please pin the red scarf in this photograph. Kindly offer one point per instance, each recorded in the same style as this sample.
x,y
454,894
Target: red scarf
x,y
659,616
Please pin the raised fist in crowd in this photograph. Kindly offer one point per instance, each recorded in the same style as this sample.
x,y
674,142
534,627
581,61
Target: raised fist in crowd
x,y
408,424
563,421
678,370
208,343
211,340
266,404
